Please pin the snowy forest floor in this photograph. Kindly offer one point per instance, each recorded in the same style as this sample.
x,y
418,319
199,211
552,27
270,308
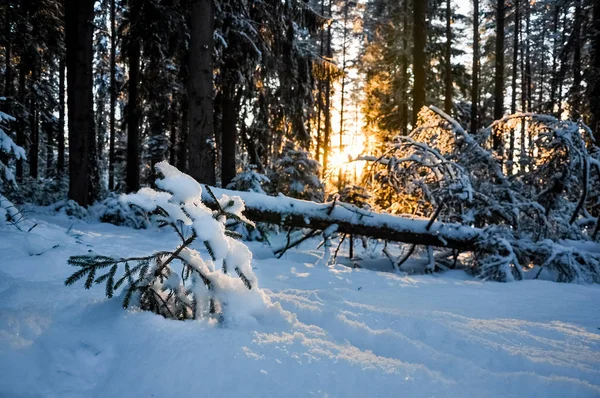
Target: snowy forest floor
x,y
336,331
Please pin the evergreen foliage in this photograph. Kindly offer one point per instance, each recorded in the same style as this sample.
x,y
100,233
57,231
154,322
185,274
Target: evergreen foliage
x,y
295,174
203,288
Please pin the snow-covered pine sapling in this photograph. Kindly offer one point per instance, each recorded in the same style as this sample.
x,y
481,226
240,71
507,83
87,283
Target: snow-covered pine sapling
x,y
178,284
8,212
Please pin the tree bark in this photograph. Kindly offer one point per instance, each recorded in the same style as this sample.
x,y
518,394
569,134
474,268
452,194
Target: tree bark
x,y
475,85
419,58
132,177
349,219
499,72
594,80
515,62
229,133
448,55
34,126
60,142
79,29
8,83
113,96
576,89
555,52
200,93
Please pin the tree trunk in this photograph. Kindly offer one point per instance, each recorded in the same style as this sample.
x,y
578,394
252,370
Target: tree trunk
x,y
594,81
79,29
21,123
342,93
200,93
448,56
419,58
515,63
349,219
8,83
475,85
499,72
555,52
576,89
229,133
34,126
60,142
326,109
133,116
182,153
404,83
113,96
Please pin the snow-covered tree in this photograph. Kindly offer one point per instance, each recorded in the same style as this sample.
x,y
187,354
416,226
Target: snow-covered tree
x,y
8,151
443,173
295,174
204,287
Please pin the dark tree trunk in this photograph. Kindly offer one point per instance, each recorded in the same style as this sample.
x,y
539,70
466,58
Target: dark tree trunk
x,y
79,31
60,141
21,123
34,127
499,72
515,62
576,89
182,153
448,56
555,52
8,83
132,177
419,58
200,93
343,93
173,126
327,108
113,96
475,85
540,101
404,69
594,81
229,133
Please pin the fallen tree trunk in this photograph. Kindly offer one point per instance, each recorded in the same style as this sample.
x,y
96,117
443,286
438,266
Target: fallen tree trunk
x,y
349,219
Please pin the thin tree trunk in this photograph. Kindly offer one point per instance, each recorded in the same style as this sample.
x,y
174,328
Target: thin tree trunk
x,y
404,69
182,158
448,56
576,89
113,96
8,83
327,110
133,119
419,57
21,124
79,34
229,133
555,52
200,93
343,92
60,142
34,128
540,101
515,61
594,84
499,72
173,127
475,85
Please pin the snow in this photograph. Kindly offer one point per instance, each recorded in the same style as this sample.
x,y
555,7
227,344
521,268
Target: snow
x,y
330,331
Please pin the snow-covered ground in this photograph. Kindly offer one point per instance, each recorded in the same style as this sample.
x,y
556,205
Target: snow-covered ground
x,y
333,332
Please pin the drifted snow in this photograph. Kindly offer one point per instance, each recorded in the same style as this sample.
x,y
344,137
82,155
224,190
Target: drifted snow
x,y
330,331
